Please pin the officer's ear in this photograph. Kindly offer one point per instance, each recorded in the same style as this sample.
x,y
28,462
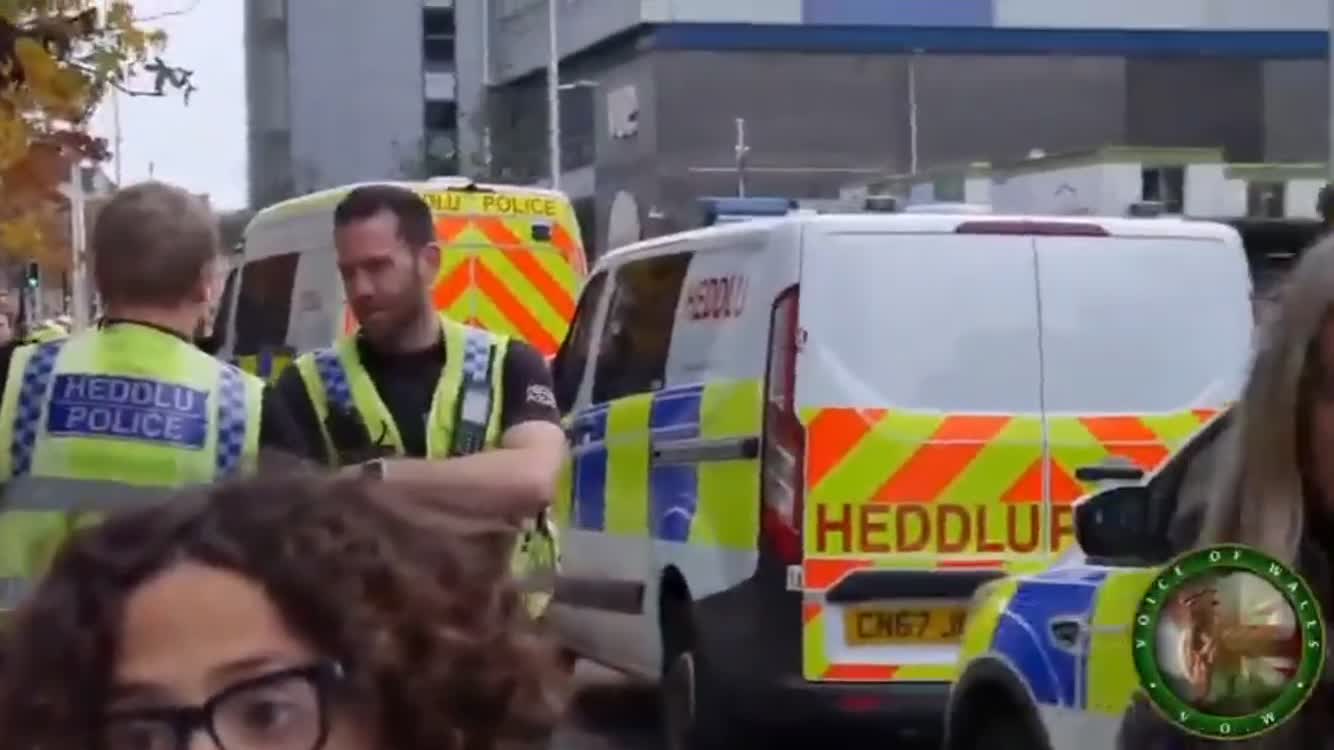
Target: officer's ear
x,y
428,260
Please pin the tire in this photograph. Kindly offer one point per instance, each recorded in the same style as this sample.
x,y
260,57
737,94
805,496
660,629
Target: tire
x,y
692,716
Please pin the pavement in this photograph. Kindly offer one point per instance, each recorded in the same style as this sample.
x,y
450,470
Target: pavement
x,y
614,712
611,712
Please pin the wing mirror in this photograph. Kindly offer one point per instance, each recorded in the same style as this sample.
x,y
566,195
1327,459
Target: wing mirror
x,y
1117,524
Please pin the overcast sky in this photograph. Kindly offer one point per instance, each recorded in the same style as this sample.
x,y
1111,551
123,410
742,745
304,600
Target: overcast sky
x,y
201,146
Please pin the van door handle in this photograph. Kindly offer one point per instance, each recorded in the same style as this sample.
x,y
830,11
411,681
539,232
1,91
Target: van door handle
x,y
1068,633
1109,472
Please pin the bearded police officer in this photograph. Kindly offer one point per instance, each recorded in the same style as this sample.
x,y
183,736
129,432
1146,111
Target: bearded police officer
x,y
417,396
130,402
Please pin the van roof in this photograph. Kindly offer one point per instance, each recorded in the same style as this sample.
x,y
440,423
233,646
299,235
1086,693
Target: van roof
x,y
917,223
329,197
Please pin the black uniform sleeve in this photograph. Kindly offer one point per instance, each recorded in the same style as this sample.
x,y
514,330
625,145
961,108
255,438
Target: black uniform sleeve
x,y
527,393
279,433
290,392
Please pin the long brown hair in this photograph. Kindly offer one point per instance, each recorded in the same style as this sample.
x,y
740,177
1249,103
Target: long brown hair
x,y
1261,490
434,639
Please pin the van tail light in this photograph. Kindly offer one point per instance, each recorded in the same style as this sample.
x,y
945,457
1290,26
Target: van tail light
x,y
1032,228
783,450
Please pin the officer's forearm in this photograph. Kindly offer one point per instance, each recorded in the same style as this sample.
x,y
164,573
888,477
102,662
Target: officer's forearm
x,y
506,483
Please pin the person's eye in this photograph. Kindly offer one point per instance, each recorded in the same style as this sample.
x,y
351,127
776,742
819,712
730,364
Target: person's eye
x,y
267,713
138,735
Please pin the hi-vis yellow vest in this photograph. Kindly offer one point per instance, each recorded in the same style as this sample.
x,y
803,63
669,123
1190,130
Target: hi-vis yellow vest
x,y
101,413
464,418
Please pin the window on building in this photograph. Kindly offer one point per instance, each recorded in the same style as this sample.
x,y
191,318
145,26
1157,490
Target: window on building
x,y
264,303
1165,185
1265,199
442,116
438,37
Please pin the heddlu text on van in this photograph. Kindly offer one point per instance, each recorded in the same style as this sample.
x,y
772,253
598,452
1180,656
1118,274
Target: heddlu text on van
x,y
716,298
937,528
453,201
128,408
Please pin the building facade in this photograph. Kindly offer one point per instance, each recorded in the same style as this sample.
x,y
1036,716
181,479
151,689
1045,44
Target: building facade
x,y
339,92
827,90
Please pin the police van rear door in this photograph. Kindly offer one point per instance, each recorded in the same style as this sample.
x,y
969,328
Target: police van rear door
x,y
918,387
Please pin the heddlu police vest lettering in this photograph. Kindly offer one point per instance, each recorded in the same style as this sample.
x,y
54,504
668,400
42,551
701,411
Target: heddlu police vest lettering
x,y
104,412
464,418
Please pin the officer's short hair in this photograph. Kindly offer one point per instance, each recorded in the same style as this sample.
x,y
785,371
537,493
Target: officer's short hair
x,y
151,242
416,227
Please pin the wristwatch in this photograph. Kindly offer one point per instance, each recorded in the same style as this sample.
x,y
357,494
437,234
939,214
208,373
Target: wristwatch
x,y
373,469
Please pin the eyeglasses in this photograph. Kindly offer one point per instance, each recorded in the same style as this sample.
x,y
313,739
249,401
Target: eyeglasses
x,y
284,710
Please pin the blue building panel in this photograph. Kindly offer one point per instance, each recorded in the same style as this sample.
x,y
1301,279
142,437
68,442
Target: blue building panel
x,y
965,40
899,12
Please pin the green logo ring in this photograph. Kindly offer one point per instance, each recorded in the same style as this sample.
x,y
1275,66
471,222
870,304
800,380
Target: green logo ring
x,y
1226,559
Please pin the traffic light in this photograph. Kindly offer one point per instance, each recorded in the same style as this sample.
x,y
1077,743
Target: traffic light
x,y
32,275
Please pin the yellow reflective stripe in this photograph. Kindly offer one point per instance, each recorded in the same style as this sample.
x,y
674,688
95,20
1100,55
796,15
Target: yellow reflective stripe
x,y
983,619
998,465
489,316
886,448
555,264
1112,677
562,509
379,420
1173,429
534,302
925,673
627,488
814,659
728,491
305,366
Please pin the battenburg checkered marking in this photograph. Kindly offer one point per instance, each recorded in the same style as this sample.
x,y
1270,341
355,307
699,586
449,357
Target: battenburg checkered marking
x,y
31,402
336,386
475,404
231,422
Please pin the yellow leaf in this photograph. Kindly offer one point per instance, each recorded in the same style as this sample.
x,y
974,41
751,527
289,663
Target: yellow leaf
x,y
14,139
22,236
38,66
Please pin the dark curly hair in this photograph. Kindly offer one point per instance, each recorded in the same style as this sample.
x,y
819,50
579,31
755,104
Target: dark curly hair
x,y
433,637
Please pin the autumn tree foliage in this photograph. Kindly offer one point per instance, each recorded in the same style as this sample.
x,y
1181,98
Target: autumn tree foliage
x,y
58,60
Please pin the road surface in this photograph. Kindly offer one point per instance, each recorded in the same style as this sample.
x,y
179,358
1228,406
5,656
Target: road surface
x,y
613,712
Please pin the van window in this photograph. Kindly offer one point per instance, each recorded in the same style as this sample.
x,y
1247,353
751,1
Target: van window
x,y
220,320
1142,324
632,357
264,303
570,363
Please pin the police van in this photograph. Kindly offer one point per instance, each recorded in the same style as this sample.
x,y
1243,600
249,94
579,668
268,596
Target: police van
x,y
1046,660
512,258
799,445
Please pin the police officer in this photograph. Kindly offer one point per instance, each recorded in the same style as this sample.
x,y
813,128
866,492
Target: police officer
x,y
417,396
130,402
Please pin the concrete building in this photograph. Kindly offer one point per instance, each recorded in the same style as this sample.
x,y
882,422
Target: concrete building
x,y
829,89
342,90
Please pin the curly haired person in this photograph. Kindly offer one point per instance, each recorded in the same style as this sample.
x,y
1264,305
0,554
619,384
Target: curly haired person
x,y
286,613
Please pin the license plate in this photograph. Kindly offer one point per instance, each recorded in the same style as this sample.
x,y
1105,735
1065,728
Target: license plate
x,y
879,626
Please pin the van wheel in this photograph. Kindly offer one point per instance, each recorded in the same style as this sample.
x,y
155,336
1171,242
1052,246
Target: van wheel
x,y
692,717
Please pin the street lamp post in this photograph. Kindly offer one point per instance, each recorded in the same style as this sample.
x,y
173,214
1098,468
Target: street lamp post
x,y
553,95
